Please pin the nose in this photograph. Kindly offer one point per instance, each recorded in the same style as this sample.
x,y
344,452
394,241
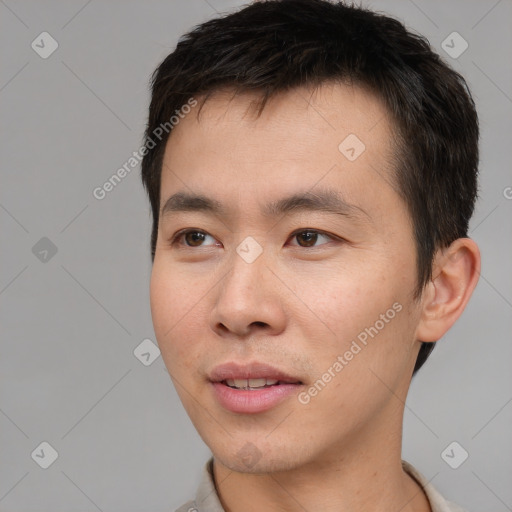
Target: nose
x,y
249,300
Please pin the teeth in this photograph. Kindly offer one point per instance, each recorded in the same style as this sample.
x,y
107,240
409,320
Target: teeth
x,y
250,383
241,383
257,383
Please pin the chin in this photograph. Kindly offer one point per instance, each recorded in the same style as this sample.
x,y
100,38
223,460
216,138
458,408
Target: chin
x,y
260,457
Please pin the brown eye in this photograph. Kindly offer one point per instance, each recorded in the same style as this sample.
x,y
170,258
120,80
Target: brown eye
x,y
190,238
308,238
194,238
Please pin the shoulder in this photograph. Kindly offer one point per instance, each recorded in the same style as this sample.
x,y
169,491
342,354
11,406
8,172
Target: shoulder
x,y
189,507
206,499
453,507
437,502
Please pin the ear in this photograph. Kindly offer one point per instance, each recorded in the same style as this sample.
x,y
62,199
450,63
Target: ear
x,y
455,273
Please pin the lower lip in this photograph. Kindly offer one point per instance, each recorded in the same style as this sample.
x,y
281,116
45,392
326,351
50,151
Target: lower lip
x,y
251,402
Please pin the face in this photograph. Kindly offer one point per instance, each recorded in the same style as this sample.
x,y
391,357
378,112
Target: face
x,y
291,275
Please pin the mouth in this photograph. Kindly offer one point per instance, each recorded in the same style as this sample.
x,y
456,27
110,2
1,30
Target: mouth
x,y
251,388
253,374
254,384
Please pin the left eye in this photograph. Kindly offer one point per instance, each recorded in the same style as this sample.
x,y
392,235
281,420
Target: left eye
x,y
308,238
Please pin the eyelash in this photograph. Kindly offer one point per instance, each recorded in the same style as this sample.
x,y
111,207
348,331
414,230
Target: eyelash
x,y
175,240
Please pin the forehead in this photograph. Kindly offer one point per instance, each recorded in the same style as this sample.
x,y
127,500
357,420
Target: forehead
x,y
336,135
333,105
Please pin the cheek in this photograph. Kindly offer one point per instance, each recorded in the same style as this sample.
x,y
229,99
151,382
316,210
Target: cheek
x,y
162,299
363,367
173,308
342,299
360,316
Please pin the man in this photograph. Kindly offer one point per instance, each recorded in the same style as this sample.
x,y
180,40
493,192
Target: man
x,y
311,168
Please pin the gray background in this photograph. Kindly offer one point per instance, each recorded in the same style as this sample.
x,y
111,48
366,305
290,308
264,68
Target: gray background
x,y
70,324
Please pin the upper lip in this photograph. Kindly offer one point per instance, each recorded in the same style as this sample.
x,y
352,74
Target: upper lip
x,y
255,370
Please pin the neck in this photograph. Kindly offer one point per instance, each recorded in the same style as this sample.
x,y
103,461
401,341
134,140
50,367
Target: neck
x,y
363,473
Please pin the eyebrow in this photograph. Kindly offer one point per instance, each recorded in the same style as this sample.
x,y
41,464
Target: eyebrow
x,y
326,200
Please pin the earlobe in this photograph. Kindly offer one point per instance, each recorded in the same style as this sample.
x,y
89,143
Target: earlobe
x,y
455,274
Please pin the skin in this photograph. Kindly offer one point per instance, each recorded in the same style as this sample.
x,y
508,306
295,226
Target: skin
x,y
298,307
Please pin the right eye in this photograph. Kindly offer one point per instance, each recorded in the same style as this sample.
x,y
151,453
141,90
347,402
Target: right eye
x,y
190,238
